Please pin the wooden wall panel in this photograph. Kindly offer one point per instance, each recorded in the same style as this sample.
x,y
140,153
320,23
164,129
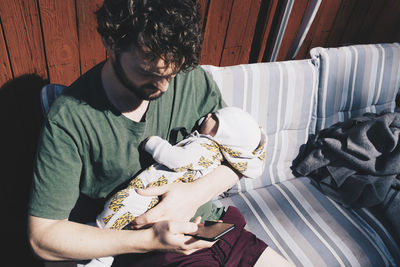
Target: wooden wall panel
x,y
91,47
349,22
58,39
320,29
203,10
341,21
240,33
372,14
5,68
61,40
21,25
298,10
386,27
263,29
215,31
358,17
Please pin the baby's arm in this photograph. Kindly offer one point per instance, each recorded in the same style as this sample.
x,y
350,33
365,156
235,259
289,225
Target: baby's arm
x,y
175,157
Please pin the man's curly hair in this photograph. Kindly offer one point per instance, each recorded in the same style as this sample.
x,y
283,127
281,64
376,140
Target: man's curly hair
x,y
166,29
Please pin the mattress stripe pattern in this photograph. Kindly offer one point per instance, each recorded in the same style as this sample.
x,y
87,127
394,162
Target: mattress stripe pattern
x,y
307,228
281,97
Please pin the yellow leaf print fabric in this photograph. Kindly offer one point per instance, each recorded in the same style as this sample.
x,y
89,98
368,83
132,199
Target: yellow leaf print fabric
x,y
240,166
118,199
184,168
205,163
249,163
122,221
201,156
230,151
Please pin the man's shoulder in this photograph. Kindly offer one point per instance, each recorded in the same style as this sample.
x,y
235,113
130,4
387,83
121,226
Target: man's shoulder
x,y
197,73
198,79
90,79
81,96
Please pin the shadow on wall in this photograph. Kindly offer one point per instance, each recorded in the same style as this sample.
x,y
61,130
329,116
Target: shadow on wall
x,y
20,124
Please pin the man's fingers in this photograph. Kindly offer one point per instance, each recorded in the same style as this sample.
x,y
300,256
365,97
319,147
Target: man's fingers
x,y
147,219
183,227
196,244
188,252
153,191
153,215
197,220
172,236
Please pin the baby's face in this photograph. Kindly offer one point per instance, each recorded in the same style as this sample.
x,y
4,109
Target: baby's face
x,y
209,125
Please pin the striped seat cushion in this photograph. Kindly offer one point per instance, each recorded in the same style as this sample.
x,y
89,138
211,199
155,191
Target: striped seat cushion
x,y
309,229
356,79
49,93
281,97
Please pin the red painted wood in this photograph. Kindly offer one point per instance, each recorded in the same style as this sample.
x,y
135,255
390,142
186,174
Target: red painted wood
x,y
5,68
339,26
386,25
325,23
21,25
298,10
356,21
267,11
242,24
61,40
91,48
236,32
373,14
215,31
321,27
203,9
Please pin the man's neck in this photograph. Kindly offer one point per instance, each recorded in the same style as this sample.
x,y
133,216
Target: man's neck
x,y
124,100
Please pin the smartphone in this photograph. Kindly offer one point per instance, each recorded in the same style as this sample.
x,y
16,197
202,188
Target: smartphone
x,y
212,231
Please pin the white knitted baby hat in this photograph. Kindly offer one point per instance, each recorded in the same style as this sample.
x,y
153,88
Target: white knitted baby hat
x,y
237,129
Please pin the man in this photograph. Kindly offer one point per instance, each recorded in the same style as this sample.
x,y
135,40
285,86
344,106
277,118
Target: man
x,y
89,145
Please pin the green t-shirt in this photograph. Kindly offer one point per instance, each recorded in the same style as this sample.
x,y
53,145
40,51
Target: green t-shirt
x,y
88,149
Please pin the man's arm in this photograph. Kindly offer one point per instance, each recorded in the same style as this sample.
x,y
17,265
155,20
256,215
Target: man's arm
x,y
65,240
181,200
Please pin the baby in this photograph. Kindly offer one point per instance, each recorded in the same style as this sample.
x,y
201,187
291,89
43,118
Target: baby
x,y
229,134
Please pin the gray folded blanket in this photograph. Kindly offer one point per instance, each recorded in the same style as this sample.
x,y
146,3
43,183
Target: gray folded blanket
x,y
357,163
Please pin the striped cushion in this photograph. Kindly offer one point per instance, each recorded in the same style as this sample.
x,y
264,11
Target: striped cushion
x,y
280,96
308,229
356,79
49,93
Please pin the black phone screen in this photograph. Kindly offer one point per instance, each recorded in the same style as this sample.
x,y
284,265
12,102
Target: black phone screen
x,y
211,230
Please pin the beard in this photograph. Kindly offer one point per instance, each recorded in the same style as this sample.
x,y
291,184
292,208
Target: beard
x,y
144,92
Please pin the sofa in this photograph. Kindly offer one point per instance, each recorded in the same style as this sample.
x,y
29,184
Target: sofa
x,y
293,100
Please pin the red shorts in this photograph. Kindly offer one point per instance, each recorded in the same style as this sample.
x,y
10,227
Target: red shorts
x,y
237,248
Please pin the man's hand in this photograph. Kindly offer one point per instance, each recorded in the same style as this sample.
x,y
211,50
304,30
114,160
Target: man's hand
x,y
178,204
180,201
169,236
